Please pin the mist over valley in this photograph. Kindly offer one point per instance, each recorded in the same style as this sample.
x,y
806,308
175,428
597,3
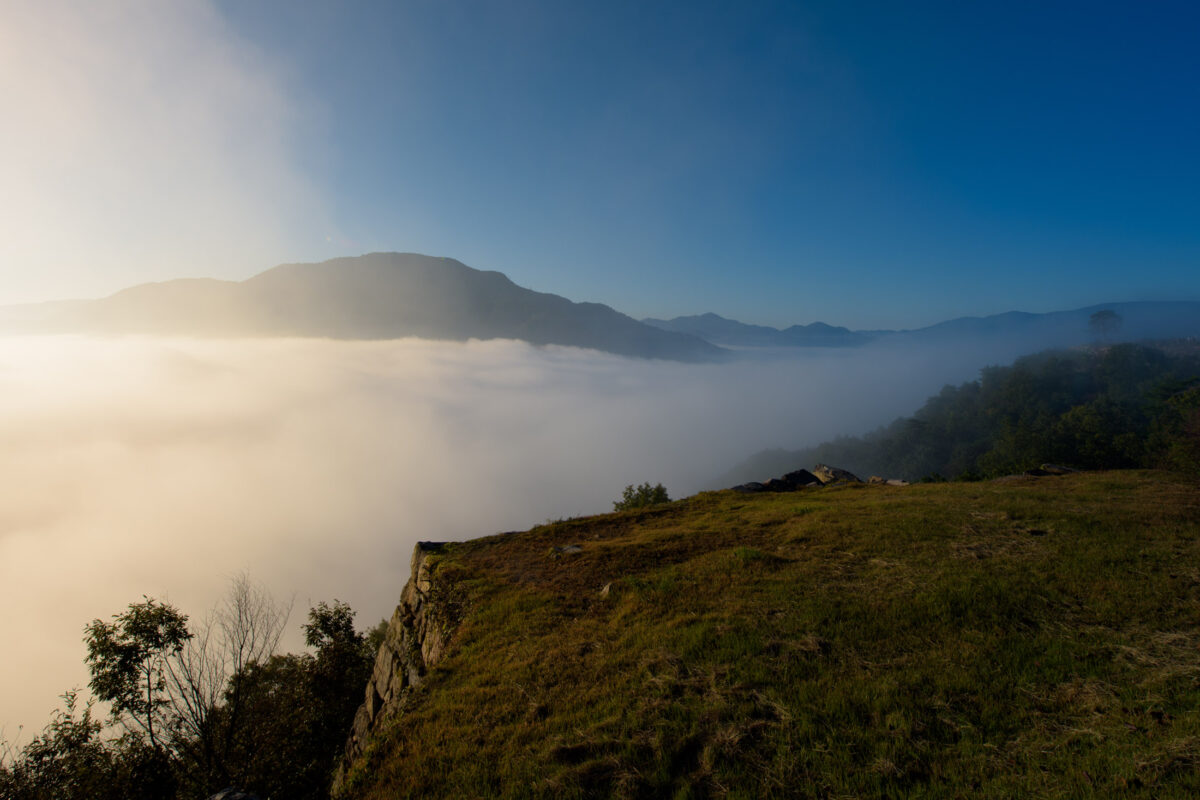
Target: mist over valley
x,y
162,466
144,463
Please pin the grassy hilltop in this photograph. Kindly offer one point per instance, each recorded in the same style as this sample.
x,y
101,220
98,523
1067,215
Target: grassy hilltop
x,y
1022,637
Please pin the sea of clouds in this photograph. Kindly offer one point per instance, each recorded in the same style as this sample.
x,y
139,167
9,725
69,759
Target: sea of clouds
x,y
164,467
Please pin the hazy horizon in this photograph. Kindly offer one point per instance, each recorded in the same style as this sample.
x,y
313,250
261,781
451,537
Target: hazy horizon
x,y
962,314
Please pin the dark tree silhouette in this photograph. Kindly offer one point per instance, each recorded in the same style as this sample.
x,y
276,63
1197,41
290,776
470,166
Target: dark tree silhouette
x,y
128,661
1104,323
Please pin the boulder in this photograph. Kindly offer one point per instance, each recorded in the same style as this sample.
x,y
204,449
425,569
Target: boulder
x,y
1057,469
828,475
233,794
896,482
801,479
876,480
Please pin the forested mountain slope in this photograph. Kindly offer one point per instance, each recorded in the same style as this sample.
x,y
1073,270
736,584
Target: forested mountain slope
x,y
1129,405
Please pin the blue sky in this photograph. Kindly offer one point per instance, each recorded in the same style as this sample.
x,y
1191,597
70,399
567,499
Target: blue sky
x,y
866,164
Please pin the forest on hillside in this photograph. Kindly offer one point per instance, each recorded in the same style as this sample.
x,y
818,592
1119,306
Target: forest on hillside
x,y
1122,406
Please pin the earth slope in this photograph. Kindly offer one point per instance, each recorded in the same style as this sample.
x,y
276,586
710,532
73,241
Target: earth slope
x,y
1026,637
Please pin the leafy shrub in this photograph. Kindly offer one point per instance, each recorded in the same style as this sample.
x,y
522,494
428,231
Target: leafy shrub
x,y
72,759
641,497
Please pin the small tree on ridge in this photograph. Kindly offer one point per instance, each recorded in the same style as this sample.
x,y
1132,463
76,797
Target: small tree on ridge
x,y
641,496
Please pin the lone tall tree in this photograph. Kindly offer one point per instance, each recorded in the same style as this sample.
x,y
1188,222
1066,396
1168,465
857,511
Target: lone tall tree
x,y
1104,323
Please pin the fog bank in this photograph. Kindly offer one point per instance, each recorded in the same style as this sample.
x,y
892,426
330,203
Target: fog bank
x,y
162,467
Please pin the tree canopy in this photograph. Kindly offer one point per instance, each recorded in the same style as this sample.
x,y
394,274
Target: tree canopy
x,y
195,710
1122,406
128,661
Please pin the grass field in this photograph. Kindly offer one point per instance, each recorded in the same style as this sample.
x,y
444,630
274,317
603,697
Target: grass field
x,y
1028,637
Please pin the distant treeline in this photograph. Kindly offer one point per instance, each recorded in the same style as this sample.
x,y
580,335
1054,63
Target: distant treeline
x,y
1122,406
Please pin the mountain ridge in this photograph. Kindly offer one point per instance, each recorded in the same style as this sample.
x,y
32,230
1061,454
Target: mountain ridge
x,y
375,296
397,295
1143,319
717,329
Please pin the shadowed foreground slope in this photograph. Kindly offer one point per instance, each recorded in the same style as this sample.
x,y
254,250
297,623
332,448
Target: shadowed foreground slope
x,y
1023,637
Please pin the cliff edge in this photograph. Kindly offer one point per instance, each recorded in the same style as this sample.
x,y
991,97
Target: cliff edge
x,y
416,639
1033,636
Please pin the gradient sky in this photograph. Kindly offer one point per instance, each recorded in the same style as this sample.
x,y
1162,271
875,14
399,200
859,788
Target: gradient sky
x,y
867,164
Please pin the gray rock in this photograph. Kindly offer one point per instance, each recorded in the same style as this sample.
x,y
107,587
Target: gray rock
x,y
1057,469
828,475
801,479
416,639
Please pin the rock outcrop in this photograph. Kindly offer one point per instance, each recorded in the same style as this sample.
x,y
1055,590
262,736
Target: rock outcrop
x,y
800,479
829,475
822,475
417,637
1050,469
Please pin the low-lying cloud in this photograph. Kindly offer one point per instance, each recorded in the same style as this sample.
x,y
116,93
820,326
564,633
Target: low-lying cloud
x,y
162,467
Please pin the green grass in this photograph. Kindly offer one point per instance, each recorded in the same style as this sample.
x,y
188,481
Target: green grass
x,y
1029,637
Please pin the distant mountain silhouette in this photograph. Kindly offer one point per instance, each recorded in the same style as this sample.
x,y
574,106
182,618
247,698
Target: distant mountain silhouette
x,y
393,295
722,331
376,296
1136,321
1021,330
